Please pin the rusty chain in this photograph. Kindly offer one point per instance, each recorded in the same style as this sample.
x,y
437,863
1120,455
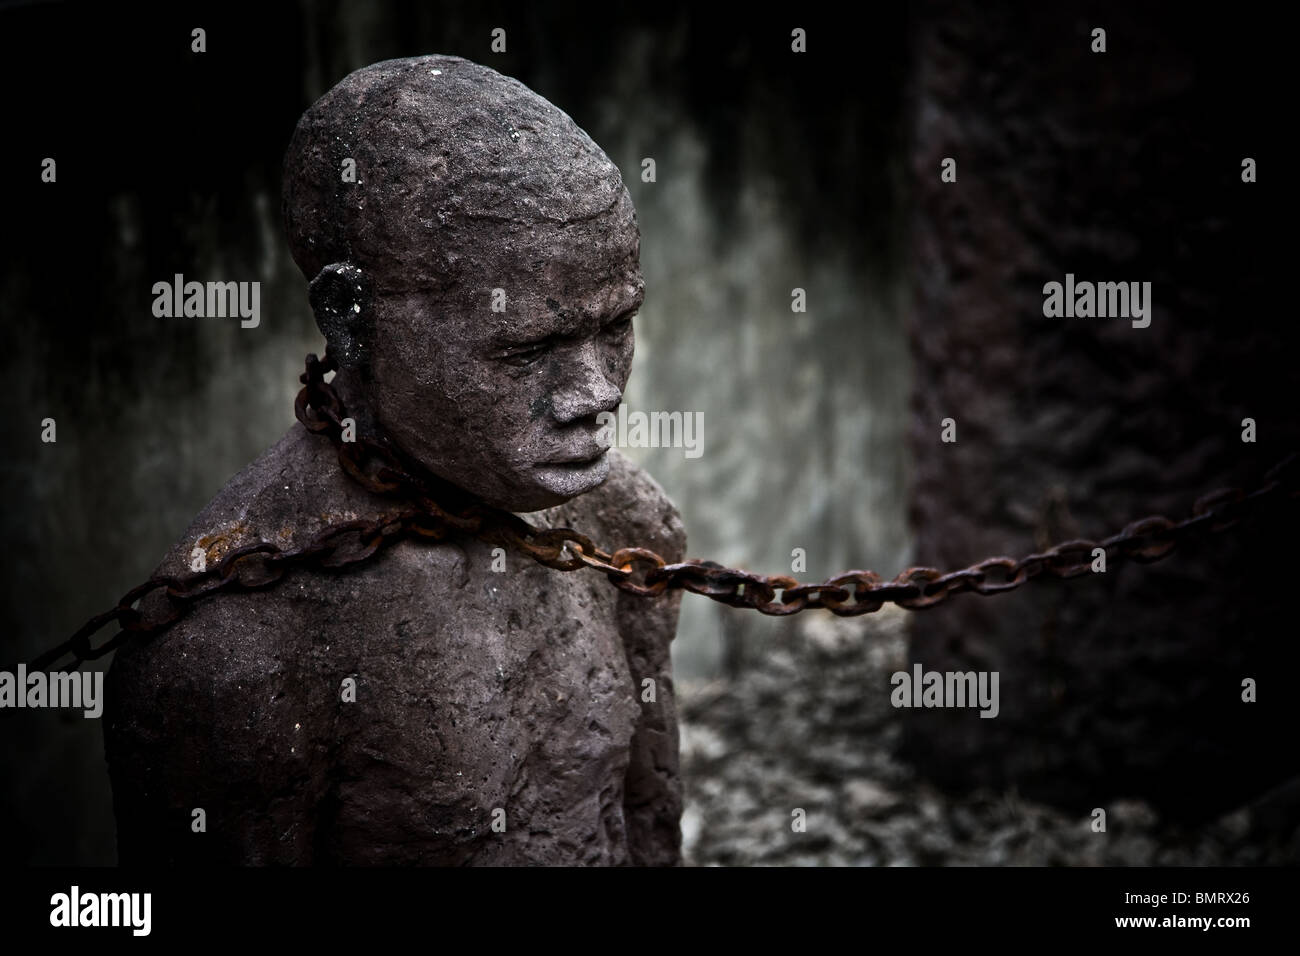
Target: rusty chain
x,y
434,509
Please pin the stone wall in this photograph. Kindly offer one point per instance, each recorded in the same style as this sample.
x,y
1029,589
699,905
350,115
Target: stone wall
x,y
1115,166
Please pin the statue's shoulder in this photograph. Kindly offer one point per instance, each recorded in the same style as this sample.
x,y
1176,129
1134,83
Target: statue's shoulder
x,y
630,509
284,497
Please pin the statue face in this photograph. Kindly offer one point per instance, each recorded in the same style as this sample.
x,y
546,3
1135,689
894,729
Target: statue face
x,y
504,402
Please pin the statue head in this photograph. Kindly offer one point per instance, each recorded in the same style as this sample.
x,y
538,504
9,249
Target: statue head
x,y
473,260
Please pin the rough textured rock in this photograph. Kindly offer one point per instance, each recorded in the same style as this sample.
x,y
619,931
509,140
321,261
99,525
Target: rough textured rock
x,y
476,690
810,726
1121,166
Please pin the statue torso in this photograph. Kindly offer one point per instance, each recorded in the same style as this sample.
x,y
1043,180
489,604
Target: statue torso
x,y
482,696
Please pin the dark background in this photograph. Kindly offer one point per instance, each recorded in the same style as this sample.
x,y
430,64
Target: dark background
x,y
775,170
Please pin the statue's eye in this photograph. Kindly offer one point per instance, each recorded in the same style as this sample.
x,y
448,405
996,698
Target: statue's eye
x,y
524,355
619,328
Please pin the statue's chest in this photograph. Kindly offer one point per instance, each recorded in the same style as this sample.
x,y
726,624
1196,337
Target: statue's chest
x,y
481,688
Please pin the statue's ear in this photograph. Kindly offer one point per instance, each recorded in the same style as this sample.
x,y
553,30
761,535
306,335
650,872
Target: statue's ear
x,y
340,297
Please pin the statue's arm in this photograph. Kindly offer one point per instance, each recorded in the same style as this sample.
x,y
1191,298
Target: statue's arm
x,y
652,796
652,800
205,761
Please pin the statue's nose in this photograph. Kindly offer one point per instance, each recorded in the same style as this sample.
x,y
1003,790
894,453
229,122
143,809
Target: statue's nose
x,y
587,391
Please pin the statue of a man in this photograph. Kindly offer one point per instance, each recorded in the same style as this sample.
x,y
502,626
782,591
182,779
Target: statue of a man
x,y
473,260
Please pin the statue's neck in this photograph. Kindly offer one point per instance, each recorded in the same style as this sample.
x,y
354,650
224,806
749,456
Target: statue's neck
x,y
352,388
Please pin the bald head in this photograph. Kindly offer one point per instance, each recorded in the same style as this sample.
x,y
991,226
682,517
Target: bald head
x,y
451,159
476,283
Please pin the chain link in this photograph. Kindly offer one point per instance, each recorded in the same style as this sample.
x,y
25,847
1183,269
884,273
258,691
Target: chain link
x,y
434,510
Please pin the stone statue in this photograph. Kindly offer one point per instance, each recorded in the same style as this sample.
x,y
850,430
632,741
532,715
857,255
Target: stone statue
x,y
473,265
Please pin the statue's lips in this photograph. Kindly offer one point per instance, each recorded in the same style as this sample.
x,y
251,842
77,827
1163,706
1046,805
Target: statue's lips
x,y
574,461
569,475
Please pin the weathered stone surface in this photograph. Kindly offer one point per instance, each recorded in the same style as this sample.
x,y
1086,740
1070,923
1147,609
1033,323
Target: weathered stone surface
x,y
476,690
1120,166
